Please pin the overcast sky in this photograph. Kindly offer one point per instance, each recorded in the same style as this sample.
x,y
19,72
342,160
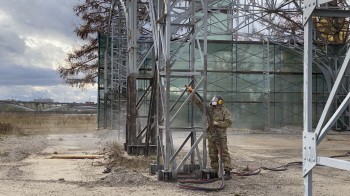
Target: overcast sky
x,y
34,39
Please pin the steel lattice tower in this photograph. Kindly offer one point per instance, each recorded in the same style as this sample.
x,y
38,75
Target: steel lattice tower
x,y
153,38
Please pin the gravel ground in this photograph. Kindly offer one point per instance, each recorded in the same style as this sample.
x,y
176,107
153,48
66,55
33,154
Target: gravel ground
x,y
27,169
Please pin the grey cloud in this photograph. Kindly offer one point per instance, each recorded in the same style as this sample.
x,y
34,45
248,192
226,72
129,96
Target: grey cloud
x,y
42,15
10,43
19,75
33,17
22,56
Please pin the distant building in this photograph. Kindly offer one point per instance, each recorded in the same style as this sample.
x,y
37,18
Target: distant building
x,y
46,100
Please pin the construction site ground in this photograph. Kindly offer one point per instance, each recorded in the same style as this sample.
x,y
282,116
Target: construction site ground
x,y
27,167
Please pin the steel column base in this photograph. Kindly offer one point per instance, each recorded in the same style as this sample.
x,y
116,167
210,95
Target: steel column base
x,y
140,149
165,176
153,168
208,174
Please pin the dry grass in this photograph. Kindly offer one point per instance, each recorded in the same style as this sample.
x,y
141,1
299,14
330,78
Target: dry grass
x,y
6,128
34,123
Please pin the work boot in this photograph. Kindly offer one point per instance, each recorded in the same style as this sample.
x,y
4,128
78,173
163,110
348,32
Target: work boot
x,y
227,175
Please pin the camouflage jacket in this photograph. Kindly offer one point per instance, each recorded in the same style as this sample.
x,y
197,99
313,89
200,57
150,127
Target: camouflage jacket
x,y
217,113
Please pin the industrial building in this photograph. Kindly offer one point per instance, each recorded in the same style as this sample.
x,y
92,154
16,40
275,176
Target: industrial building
x,y
276,63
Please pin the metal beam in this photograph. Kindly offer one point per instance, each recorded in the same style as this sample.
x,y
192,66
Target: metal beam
x,y
335,163
307,130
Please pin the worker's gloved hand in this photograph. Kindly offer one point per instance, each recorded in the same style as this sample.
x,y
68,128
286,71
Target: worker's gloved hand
x,y
189,88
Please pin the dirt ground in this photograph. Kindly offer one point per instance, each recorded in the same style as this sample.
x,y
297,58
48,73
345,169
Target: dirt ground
x,y
26,166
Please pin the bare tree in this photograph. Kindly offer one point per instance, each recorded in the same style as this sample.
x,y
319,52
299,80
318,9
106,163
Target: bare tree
x,y
81,64
283,17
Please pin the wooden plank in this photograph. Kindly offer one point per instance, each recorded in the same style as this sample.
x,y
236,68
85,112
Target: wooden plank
x,y
76,156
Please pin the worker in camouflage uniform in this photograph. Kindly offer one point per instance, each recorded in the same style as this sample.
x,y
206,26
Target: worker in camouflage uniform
x,y
216,132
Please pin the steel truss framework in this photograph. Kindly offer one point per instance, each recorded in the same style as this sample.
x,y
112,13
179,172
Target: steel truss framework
x,y
311,139
148,42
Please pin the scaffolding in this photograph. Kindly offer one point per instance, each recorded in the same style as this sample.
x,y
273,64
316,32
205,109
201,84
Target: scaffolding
x,y
248,51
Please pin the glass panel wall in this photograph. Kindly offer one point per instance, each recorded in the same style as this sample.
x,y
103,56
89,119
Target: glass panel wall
x,y
262,85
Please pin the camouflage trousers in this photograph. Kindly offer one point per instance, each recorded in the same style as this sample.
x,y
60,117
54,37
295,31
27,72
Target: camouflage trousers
x,y
214,141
